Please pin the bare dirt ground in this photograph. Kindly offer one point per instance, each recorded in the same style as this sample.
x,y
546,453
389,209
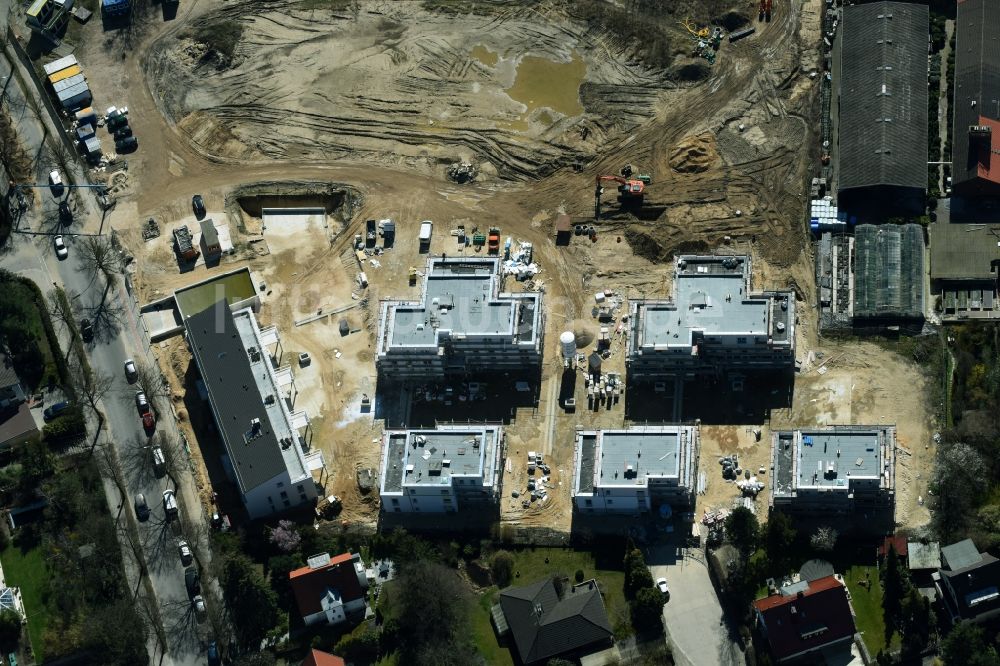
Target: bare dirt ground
x,y
384,98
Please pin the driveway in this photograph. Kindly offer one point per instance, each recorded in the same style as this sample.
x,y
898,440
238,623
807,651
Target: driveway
x,y
694,619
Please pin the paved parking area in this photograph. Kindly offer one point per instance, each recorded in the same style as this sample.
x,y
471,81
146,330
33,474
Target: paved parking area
x,y
694,619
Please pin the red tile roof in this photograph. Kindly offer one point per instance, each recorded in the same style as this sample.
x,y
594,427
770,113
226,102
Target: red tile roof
x,y
309,585
898,541
815,617
317,658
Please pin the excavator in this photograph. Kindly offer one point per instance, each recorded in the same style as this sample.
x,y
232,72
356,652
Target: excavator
x,y
630,190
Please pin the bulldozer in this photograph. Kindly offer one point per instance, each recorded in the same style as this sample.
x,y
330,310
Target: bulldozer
x,y
630,190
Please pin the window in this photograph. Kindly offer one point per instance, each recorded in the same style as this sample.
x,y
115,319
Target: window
x,y
270,499
284,495
610,502
300,488
395,501
741,341
444,492
447,500
281,484
588,502
287,503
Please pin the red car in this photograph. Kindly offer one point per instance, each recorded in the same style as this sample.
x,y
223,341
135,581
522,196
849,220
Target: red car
x,y
148,420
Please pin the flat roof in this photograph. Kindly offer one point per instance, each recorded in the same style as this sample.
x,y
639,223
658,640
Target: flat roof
x,y
710,294
432,457
234,383
964,251
233,287
630,456
460,297
853,453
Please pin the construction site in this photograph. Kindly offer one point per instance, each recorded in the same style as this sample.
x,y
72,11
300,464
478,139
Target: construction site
x,y
525,133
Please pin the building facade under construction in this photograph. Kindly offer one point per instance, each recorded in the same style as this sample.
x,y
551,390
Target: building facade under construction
x,y
463,325
442,470
835,470
712,324
635,470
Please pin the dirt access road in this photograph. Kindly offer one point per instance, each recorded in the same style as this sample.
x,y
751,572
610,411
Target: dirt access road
x,y
725,154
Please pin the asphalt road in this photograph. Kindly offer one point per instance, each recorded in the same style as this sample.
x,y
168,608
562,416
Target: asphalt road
x,y
116,339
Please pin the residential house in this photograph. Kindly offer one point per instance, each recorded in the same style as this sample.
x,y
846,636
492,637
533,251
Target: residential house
x,y
320,658
804,619
16,422
924,560
544,626
968,582
330,590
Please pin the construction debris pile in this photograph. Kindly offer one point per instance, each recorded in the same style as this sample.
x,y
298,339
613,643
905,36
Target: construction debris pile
x,y
462,172
706,42
538,489
518,263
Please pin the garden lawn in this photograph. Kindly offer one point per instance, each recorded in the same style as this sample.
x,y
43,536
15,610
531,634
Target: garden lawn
x,y
26,570
867,603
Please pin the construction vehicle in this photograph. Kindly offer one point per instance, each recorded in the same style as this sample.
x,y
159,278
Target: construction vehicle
x,y
478,239
494,241
630,190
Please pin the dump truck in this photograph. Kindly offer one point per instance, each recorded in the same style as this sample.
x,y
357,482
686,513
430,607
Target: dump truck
x,y
493,242
184,244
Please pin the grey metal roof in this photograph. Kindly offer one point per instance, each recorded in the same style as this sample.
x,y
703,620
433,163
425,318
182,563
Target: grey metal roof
x,y
960,555
883,96
964,251
977,78
544,626
923,555
232,392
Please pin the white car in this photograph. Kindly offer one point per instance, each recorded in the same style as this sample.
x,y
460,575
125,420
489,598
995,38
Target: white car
x,y
661,585
130,372
55,179
199,603
61,251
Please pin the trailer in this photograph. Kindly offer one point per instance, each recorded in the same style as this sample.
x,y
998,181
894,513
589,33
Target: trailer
x,y
426,227
740,34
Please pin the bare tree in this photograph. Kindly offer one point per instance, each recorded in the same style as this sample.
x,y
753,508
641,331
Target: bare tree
x,y
91,385
152,381
60,308
101,257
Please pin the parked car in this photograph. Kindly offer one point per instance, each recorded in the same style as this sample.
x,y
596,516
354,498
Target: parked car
x,y
60,245
198,205
65,212
141,403
199,603
192,581
141,507
661,585
123,133
126,145
55,410
131,374
86,330
185,552
56,182
212,653
159,462
170,504
148,421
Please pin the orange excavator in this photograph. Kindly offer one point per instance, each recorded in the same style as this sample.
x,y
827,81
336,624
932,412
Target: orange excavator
x,y
630,190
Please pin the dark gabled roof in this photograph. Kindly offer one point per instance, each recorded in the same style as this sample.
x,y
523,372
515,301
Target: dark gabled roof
x,y
8,377
232,392
977,79
976,586
882,123
544,627
815,617
310,584
961,555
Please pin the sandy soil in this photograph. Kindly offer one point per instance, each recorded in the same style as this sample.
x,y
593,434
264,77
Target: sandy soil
x,y
384,101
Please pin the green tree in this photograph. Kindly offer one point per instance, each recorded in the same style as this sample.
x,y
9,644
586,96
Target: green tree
x,y
743,530
779,535
637,574
916,623
895,586
37,463
647,611
431,605
502,568
10,629
253,604
966,646
360,648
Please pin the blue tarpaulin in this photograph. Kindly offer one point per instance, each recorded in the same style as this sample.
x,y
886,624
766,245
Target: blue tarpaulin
x,y
807,440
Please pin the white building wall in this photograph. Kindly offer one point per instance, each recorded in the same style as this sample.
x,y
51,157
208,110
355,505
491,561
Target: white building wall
x,y
266,498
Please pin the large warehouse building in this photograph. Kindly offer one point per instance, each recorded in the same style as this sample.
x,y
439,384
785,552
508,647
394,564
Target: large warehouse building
x,y
976,134
882,126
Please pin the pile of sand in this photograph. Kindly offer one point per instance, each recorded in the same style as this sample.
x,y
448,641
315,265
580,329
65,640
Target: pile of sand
x,y
694,154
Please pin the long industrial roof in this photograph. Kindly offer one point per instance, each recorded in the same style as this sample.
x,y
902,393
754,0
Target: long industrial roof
x,y
883,96
977,86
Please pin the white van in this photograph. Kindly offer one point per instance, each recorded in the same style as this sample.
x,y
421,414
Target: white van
x,y
159,462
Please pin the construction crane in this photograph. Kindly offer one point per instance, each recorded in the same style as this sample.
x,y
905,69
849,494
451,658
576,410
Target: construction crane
x,y
630,190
